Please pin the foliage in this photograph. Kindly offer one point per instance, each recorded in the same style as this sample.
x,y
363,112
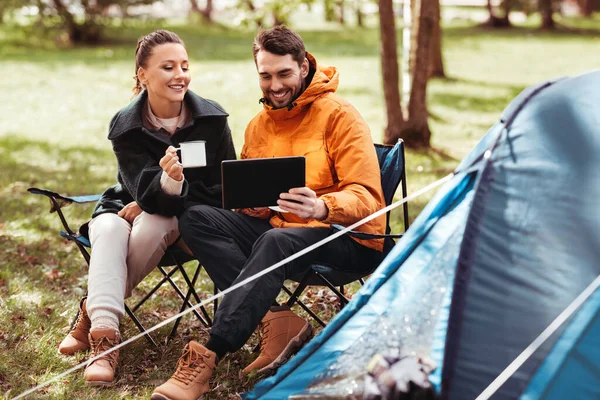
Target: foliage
x,y
268,13
55,112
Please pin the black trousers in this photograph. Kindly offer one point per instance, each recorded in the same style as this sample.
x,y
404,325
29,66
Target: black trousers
x,y
233,246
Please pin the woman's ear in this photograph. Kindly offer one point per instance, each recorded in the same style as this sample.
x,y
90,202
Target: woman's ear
x,y
141,75
304,68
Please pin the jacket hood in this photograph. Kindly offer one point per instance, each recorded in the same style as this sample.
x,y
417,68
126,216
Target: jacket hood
x,y
325,80
130,117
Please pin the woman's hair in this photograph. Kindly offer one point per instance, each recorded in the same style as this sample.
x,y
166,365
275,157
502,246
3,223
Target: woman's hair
x,y
280,40
144,48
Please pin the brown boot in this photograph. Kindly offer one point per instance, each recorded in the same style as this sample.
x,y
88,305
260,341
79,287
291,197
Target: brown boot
x,y
77,339
283,334
190,381
102,371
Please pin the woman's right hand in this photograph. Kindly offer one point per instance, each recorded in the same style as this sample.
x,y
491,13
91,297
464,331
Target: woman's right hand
x,y
130,212
171,165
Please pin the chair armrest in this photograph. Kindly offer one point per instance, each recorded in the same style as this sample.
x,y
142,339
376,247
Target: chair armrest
x,y
63,201
366,236
57,201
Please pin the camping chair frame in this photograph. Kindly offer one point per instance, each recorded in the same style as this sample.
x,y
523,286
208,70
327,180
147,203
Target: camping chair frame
x,y
393,173
173,257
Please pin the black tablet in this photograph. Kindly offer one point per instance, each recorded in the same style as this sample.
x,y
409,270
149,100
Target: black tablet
x,y
257,182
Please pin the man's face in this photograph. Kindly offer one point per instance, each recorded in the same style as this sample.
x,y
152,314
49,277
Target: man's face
x,y
280,77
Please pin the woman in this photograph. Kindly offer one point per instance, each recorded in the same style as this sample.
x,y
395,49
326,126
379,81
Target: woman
x,y
139,214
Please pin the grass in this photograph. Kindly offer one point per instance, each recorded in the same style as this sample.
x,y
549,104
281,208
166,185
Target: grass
x,y
55,108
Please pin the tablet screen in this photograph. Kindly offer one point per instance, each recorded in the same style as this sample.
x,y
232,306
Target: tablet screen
x,y
257,182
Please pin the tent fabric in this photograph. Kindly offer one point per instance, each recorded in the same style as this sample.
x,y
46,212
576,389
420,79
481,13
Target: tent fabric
x,y
572,360
303,366
531,244
505,246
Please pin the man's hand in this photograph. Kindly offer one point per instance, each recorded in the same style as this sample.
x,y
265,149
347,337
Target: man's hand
x,y
304,203
171,165
130,211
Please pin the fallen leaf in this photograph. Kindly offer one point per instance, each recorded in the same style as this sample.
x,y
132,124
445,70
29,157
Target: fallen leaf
x,y
52,274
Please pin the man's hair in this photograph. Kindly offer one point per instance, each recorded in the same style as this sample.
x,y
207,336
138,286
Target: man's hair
x,y
280,40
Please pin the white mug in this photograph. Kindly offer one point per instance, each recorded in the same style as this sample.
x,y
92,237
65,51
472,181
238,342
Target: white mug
x,y
193,154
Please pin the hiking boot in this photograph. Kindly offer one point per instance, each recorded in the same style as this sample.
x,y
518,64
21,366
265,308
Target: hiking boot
x,y
283,334
102,371
77,339
190,380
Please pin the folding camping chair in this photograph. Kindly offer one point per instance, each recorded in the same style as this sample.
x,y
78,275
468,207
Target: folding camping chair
x,y
174,257
393,172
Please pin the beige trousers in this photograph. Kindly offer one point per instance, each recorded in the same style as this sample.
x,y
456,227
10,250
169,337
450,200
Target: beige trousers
x,y
122,255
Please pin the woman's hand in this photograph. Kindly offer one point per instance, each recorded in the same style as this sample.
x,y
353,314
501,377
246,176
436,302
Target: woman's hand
x,y
130,212
171,165
304,203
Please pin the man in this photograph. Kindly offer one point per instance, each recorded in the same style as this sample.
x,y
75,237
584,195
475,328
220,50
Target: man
x,y
301,116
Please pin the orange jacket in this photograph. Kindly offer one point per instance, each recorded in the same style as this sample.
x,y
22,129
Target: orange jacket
x,y
341,163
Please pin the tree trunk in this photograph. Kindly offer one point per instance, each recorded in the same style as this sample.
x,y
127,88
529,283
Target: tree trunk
x,y
586,7
546,11
490,9
258,20
359,15
498,22
1,15
88,32
194,6
506,18
207,12
389,69
73,30
341,7
436,63
416,132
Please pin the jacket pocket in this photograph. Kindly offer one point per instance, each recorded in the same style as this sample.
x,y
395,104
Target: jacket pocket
x,y
319,169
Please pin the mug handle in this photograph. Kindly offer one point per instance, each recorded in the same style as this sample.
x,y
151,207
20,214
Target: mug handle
x,y
178,149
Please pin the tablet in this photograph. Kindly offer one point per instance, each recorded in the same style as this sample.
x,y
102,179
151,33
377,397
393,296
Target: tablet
x,y
257,182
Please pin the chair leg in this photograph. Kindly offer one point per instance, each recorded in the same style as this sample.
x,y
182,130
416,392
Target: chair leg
x,y
206,322
216,302
182,296
305,308
186,301
343,299
140,326
299,289
154,289
192,291
405,205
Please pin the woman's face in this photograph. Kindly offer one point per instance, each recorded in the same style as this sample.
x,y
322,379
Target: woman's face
x,y
166,76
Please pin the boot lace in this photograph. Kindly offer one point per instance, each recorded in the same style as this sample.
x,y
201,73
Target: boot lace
x,y
81,315
100,346
264,335
190,365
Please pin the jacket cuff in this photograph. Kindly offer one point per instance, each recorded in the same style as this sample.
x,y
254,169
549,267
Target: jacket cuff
x,y
329,205
170,186
262,214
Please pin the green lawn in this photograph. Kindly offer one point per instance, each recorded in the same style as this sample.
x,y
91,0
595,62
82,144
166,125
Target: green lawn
x,y
54,110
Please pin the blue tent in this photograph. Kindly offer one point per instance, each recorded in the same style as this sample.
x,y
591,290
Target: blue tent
x,y
494,258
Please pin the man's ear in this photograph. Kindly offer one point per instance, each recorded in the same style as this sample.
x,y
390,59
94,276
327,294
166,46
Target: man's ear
x,y
141,75
304,68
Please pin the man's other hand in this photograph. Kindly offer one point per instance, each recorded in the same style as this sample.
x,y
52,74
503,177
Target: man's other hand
x,y
304,203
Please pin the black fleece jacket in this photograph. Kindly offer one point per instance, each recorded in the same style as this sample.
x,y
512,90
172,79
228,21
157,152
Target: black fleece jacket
x,y
139,150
